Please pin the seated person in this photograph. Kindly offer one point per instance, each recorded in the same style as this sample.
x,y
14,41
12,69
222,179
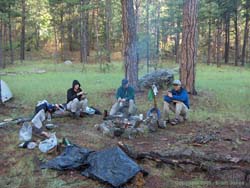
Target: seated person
x,y
42,108
125,96
76,99
176,100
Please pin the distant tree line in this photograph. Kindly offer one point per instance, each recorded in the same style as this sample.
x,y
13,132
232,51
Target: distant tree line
x,y
85,26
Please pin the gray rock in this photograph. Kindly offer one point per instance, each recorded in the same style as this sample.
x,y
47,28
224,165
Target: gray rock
x,y
161,78
68,62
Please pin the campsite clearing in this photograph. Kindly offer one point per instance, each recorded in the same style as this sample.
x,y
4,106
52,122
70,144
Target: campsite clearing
x,y
220,108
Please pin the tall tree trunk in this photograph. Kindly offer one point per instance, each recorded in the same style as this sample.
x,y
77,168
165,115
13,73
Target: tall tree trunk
x,y
219,43
130,43
227,37
148,36
1,48
158,30
177,44
37,31
107,30
84,39
5,43
246,33
62,36
189,45
56,44
23,24
137,6
236,36
137,23
209,42
10,37
70,32
98,57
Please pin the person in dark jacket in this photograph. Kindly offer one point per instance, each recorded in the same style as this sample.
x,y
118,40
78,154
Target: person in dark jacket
x,y
176,100
76,98
125,96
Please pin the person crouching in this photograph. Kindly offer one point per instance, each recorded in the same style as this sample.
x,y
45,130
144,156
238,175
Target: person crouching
x,y
76,99
176,100
125,96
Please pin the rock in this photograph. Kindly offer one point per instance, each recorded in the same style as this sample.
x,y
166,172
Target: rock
x,y
68,62
106,129
162,124
160,77
205,138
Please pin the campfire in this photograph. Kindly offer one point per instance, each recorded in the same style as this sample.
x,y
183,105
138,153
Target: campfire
x,y
128,127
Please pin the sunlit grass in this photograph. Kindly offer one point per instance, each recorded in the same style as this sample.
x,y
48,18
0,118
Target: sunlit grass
x,y
224,91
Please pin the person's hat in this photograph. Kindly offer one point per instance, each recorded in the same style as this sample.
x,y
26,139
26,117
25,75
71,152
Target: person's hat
x,y
124,82
177,82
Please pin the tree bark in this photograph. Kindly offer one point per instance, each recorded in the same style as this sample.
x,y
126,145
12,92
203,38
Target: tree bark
x,y
148,36
23,24
56,44
98,57
246,33
177,44
10,37
227,37
209,42
219,43
189,45
70,31
236,35
5,43
1,49
37,31
84,31
158,30
62,36
130,42
107,30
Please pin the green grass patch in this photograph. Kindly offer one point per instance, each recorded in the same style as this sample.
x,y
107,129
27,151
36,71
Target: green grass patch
x,y
223,92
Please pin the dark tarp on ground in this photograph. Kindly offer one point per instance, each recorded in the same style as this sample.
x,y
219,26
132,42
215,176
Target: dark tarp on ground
x,y
72,157
111,165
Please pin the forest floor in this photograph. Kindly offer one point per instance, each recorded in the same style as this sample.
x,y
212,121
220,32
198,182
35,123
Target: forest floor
x,y
221,108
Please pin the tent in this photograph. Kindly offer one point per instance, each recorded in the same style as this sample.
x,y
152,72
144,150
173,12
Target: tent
x,y
5,93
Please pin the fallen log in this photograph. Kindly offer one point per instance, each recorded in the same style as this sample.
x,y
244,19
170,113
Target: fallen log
x,y
14,121
199,160
22,73
26,119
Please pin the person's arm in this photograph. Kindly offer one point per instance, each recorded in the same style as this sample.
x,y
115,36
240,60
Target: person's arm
x,y
118,94
182,97
167,99
71,96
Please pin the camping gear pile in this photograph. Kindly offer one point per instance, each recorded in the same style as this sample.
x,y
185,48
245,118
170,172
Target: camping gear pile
x,y
129,128
110,165
120,126
25,137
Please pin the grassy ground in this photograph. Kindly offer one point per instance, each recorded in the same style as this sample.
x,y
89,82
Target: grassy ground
x,y
223,92
222,105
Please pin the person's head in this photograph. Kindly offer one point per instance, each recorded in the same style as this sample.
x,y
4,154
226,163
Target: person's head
x,y
76,85
177,85
125,83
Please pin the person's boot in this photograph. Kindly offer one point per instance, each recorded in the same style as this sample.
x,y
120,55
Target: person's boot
x,y
175,122
73,115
